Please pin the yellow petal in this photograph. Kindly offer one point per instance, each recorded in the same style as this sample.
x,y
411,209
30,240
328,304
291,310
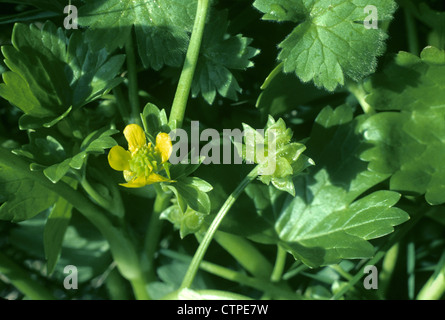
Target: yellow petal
x,y
154,177
144,181
136,183
119,158
135,136
164,146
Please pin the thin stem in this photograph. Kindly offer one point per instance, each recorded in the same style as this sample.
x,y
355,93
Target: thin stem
x,y
434,288
413,42
277,272
154,229
122,104
133,91
341,272
410,268
231,275
360,94
21,279
280,263
294,272
203,246
188,70
388,266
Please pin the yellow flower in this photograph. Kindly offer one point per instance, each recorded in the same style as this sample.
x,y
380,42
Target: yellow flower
x,y
142,162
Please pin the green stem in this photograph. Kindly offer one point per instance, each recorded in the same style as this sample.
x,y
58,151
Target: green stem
x,y
294,272
388,266
246,254
280,263
277,272
122,249
360,94
203,246
21,279
154,231
411,268
231,275
188,70
139,286
121,103
413,42
434,288
133,91
341,272
117,286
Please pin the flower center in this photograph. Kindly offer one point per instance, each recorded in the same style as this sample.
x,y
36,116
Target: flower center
x,y
144,161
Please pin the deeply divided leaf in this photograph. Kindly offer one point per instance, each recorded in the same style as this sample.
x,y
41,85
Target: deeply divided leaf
x,y
220,54
22,198
51,74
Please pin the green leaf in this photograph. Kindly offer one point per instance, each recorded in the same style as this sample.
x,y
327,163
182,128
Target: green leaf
x,y
330,218
83,247
278,163
49,154
51,73
54,232
221,53
407,138
57,171
22,197
52,5
193,191
161,27
154,121
184,170
29,15
284,92
186,221
330,41
95,143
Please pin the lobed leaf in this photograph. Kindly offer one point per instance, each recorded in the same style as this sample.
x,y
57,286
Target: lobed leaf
x,y
329,219
161,27
330,42
52,74
220,54
408,137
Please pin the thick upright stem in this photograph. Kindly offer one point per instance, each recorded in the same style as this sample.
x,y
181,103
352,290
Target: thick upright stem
x,y
188,70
